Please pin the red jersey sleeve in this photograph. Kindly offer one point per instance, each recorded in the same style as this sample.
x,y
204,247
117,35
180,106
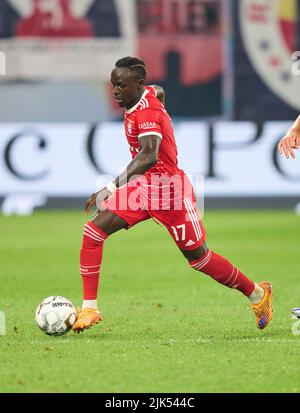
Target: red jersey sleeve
x,y
152,90
148,122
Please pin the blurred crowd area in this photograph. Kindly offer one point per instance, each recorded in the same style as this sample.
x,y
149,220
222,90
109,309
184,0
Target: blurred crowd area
x,y
216,59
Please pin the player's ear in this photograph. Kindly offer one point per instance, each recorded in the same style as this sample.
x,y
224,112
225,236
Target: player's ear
x,y
140,83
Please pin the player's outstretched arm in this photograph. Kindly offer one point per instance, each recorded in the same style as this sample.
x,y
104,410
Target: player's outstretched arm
x,y
160,93
141,163
290,141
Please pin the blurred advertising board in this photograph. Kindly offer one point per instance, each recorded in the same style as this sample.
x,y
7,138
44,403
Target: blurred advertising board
x,y
73,160
185,44
267,59
65,39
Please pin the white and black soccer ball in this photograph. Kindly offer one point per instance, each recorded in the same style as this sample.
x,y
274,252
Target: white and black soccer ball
x,y
55,315
296,312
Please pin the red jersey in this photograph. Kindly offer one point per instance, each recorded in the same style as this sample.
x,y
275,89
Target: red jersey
x,y
149,117
164,192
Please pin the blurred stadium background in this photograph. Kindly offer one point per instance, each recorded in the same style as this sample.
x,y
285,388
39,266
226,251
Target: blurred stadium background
x,y
232,81
227,67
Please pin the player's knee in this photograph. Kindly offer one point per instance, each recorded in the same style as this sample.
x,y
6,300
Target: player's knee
x,y
196,254
109,222
200,262
197,257
93,235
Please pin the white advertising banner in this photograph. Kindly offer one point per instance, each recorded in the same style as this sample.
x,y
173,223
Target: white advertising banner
x,y
72,160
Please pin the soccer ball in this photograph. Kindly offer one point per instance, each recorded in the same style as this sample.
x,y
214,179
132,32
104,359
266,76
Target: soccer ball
x,y
55,315
296,312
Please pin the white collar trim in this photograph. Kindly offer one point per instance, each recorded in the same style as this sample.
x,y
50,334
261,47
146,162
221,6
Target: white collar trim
x,y
136,105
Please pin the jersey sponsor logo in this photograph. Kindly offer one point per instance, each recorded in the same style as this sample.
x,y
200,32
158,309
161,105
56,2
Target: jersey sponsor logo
x,y
147,125
269,35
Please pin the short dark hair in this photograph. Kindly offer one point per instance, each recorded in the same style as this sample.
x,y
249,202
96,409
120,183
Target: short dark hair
x,y
134,64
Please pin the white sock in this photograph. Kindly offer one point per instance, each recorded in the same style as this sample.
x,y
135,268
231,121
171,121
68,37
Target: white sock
x,y
257,294
89,304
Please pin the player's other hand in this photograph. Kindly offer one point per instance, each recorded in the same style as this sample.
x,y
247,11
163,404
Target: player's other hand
x,y
96,199
289,142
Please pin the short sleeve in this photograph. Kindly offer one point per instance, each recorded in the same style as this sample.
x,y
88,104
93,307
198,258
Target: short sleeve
x,y
148,123
152,90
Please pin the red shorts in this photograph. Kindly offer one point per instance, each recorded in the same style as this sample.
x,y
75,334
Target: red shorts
x,y
174,207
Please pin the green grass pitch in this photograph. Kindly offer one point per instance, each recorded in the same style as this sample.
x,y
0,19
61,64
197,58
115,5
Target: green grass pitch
x,y
166,327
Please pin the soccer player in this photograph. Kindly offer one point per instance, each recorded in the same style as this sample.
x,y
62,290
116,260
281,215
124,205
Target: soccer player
x,y
290,141
153,186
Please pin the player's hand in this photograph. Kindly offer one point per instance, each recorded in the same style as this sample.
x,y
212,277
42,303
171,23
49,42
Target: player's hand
x,y
101,197
90,203
96,199
289,142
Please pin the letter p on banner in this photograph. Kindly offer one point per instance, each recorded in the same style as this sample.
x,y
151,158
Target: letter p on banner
x,y
2,64
2,324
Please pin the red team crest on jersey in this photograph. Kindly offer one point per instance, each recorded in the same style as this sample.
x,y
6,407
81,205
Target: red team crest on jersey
x,y
130,125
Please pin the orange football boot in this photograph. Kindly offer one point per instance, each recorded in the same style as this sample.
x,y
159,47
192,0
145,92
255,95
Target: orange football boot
x,y
87,317
263,310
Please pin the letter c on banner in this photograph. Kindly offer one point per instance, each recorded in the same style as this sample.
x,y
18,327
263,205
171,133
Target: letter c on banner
x,y
42,144
90,149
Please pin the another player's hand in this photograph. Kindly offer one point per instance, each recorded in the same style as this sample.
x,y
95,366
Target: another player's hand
x,y
96,199
289,142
